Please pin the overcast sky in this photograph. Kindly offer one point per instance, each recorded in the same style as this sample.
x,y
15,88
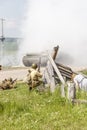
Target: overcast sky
x,y
13,13
45,23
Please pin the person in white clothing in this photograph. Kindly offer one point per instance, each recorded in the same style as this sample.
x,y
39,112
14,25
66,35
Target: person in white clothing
x,y
80,81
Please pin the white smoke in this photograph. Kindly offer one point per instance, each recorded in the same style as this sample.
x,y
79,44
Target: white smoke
x,y
57,22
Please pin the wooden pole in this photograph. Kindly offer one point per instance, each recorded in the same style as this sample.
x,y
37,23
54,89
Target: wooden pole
x,y
55,52
62,90
71,91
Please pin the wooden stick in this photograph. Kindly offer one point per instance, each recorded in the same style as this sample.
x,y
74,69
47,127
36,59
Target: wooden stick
x,y
56,69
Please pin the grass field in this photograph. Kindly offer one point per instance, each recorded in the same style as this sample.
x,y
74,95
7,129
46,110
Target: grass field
x,y
24,110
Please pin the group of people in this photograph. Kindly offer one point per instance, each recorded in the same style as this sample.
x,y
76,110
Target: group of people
x,y
7,84
34,79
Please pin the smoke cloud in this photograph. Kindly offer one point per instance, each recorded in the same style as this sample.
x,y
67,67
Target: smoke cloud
x,y
57,22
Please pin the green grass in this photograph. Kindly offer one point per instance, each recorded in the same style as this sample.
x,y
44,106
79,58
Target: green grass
x,y
24,110
84,71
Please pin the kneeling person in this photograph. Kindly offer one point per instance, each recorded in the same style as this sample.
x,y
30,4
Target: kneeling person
x,y
34,77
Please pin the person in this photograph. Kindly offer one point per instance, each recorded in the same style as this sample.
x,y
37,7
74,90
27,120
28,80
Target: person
x,y
11,83
34,77
80,81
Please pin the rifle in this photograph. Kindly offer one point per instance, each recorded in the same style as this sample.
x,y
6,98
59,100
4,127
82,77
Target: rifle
x,y
14,81
39,64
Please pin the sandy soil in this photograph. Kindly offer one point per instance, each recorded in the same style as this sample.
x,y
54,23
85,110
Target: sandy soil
x,y
19,73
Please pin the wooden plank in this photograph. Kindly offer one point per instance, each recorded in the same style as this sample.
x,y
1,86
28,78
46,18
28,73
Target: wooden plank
x,y
64,69
56,69
64,72
48,75
58,64
67,76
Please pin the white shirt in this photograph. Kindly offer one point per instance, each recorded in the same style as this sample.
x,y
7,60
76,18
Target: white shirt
x,y
82,81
